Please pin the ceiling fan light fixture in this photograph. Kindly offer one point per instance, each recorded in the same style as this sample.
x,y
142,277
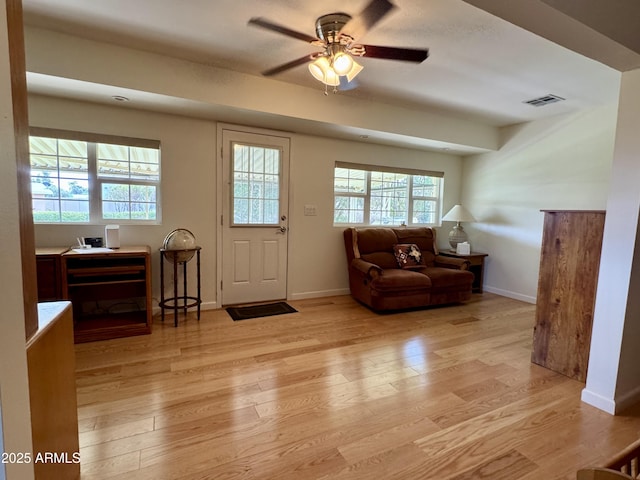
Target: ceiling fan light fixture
x,y
318,67
321,70
329,71
356,68
331,78
337,34
342,63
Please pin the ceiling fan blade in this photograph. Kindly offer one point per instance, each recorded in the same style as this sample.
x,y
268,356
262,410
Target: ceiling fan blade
x,y
288,65
367,18
394,53
274,27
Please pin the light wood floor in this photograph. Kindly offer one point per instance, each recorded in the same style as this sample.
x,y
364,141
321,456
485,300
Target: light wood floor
x,y
338,392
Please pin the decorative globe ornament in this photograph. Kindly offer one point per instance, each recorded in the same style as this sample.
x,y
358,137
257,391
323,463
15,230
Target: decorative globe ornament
x,y
179,245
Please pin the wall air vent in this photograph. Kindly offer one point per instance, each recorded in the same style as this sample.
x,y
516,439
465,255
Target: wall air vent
x,y
546,100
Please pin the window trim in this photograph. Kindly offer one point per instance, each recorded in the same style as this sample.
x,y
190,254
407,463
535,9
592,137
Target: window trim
x,y
382,168
93,137
95,183
410,198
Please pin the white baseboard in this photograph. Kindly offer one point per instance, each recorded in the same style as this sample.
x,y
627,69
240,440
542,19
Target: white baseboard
x,y
605,404
319,294
346,291
509,294
209,306
613,406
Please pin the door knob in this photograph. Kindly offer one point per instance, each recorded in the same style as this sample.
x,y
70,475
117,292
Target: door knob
x,y
282,229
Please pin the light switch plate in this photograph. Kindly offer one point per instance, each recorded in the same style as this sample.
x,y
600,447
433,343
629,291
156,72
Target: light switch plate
x,y
310,210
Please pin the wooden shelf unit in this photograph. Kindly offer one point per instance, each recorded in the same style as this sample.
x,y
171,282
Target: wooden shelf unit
x,y
110,292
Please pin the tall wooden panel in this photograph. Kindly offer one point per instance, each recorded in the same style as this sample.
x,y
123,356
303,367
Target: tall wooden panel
x,y
569,263
21,130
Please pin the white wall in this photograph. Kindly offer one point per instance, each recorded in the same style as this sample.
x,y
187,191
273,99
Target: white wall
x,y
316,253
613,379
318,260
188,179
563,162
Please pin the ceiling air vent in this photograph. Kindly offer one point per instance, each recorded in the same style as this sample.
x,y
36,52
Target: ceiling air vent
x,y
546,100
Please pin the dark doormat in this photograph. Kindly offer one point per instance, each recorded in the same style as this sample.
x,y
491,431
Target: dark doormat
x,y
255,311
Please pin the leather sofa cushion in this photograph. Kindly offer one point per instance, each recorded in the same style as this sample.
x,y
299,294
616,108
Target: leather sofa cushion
x,y
447,277
398,280
376,240
382,259
376,246
423,238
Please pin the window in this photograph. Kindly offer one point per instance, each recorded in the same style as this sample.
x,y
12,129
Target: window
x,y
87,178
256,185
373,195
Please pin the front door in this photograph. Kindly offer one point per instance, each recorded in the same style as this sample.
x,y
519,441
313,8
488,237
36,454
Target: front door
x,y
255,217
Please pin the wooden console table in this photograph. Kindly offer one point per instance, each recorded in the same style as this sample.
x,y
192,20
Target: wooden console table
x,y
110,291
476,260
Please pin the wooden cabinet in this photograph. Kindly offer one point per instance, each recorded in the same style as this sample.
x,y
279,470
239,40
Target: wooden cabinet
x,y
569,264
110,292
52,392
49,271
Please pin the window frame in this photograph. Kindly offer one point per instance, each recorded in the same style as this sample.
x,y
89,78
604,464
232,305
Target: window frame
x,y
95,181
410,197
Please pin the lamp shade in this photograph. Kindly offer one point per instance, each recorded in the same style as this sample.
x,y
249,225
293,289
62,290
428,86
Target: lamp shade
x,y
458,214
321,70
318,67
342,63
356,68
329,70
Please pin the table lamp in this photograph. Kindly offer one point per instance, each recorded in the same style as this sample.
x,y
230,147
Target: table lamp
x,y
458,214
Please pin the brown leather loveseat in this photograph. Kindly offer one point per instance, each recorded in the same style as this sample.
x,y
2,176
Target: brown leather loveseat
x,y
376,278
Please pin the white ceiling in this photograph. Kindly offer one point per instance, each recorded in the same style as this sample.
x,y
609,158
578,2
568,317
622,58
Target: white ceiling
x,y
480,67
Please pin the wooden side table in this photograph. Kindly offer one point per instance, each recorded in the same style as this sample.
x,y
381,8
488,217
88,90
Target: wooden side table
x,y
476,259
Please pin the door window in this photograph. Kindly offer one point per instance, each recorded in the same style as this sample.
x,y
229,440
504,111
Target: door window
x,y
256,185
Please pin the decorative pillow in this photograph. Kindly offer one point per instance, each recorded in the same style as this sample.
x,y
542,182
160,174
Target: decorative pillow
x,y
408,255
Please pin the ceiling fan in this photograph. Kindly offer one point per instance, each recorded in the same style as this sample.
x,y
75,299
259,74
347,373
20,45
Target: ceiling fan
x,y
337,35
